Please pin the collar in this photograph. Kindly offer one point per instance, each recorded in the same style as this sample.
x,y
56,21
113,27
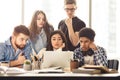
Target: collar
x,y
42,31
89,52
8,42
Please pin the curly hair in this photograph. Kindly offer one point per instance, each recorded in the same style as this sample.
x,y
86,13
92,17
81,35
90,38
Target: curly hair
x,y
87,32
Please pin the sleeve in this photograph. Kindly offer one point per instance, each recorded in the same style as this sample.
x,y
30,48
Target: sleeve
x,y
78,55
2,51
28,50
61,25
100,57
79,25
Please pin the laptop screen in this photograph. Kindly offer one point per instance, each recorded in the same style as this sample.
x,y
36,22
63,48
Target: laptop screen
x,y
57,59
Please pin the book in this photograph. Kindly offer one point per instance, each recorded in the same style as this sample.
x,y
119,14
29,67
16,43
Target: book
x,y
103,69
10,70
3,69
88,71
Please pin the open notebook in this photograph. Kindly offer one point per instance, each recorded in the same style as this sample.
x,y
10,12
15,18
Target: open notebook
x,y
11,70
57,58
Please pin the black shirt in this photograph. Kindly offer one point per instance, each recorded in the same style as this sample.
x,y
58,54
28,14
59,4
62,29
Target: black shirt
x,y
77,25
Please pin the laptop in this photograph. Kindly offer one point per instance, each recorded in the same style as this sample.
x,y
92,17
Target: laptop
x,y
56,59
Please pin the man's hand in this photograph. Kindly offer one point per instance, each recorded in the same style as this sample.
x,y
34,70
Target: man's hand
x,y
21,58
68,22
93,46
73,36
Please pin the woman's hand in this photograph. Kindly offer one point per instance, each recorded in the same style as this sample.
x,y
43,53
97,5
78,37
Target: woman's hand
x,y
63,45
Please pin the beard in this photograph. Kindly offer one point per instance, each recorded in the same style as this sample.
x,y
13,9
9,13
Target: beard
x,y
84,49
19,46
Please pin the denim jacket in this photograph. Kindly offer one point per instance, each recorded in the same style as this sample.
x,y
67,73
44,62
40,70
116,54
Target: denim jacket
x,y
7,52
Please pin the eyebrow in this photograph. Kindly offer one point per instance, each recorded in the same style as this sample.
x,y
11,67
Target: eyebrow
x,y
57,37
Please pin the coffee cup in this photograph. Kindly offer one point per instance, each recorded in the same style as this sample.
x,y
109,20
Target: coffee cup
x,y
74,64
4,63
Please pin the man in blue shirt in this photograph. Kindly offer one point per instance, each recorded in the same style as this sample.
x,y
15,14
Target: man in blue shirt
x,y
17,48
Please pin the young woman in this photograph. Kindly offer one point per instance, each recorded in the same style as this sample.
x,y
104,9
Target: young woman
x,y
57,41
39,30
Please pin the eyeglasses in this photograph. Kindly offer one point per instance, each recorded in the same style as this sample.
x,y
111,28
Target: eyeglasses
x,y
70,9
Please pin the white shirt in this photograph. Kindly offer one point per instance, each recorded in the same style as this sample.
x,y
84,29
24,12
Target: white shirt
x,y
88,60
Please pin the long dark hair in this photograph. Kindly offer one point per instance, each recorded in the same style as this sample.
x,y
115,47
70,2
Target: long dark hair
x,y
49,45
34,31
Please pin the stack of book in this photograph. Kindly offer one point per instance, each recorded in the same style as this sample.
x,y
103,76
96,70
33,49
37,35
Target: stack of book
x,y
94,69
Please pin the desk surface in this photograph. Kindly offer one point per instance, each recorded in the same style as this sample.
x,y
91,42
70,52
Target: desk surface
x,y
30,75
66,74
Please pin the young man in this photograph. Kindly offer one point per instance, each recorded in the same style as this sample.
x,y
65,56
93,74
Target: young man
x,y
71,25
17,48
89,53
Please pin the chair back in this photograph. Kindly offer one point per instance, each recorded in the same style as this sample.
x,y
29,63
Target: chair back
x,y
113,64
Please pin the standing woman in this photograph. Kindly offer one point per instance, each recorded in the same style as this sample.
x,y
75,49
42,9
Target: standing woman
x,y
39,31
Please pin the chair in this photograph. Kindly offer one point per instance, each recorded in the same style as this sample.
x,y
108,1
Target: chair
x,y
113,64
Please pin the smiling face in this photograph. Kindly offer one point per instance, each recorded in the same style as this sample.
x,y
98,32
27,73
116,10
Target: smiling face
x,y
40,20
70,10
85,43
56,41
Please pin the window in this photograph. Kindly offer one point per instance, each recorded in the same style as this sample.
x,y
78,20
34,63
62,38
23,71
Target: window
x,y
54,11
104,19
10,16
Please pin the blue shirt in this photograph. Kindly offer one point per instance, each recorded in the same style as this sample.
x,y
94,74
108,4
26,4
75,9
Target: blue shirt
x,y
7,52
39,42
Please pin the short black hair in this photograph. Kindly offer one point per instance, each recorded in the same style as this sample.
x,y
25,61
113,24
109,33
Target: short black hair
x,y
21,29
69,2
87,32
